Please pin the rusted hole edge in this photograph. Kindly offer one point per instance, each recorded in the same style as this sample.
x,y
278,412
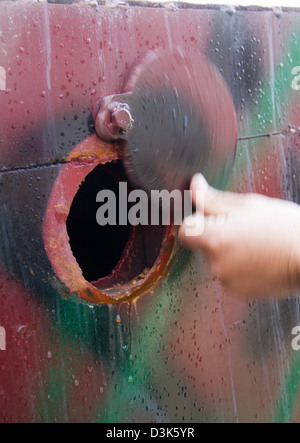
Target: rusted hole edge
x,y
85,157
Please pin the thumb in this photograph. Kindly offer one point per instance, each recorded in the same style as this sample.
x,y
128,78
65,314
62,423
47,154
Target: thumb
x,y
209,200
200,232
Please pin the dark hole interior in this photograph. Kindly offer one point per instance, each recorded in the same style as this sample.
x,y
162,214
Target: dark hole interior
x,y
97,249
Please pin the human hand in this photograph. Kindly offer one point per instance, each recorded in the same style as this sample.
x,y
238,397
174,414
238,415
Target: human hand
x,y
252,242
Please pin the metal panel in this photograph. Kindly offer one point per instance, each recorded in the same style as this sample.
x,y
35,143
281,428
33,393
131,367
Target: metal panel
x,y
186,351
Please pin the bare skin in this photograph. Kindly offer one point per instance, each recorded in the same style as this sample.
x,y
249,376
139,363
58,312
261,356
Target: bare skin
x,y
252,242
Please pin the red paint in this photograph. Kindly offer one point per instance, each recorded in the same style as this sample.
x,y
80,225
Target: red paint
x,y
34,351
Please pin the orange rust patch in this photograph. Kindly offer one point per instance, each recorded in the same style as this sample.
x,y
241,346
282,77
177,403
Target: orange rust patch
x,y
80,162
93,148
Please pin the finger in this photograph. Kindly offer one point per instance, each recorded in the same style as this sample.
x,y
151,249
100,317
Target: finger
x,y
210,201
200,232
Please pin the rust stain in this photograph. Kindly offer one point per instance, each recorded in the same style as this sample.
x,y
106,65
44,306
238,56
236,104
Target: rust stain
x,y
80,162
92,149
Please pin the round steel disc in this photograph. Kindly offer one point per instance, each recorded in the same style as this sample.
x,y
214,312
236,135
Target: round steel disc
x,y
184,122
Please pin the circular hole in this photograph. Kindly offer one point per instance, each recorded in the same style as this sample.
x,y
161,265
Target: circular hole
x,y
97,249
93,263
109,256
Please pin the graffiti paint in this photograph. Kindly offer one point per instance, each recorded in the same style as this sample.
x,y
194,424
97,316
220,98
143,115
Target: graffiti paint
x,y
183,351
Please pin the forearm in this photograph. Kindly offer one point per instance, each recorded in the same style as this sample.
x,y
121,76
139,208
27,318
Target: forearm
x,y
252,242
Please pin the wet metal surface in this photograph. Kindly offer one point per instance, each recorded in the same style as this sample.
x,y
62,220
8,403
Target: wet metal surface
x,y
185,351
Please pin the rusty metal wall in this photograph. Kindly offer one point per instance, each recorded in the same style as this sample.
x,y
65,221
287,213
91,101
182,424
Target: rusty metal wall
x,y
184,351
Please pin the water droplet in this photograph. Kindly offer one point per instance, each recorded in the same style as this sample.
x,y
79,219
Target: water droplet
x,y
22,329
185,122
174,114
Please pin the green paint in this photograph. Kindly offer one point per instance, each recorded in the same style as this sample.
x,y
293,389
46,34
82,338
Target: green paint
x,y
287,404
131,387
